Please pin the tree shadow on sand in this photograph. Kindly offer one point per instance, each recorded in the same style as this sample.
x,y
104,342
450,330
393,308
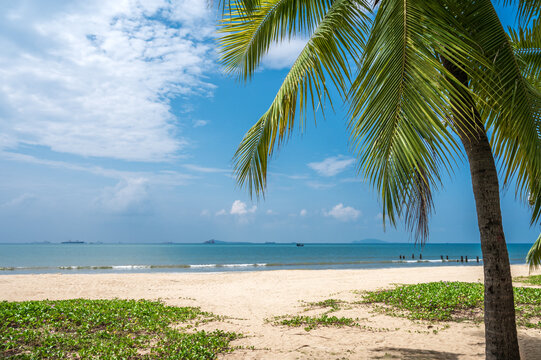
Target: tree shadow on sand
x,y
414,354
530,347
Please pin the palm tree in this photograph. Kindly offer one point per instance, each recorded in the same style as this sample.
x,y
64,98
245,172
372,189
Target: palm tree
x,y
427,81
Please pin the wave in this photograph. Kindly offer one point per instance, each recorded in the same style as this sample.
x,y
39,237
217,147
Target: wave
x,y
436,261
226,265
128,267
218,266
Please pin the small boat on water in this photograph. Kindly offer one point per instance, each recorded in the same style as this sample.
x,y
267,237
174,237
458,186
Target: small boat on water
x,y
299,244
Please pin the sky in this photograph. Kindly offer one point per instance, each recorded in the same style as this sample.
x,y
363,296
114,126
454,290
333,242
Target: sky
x,y
118,124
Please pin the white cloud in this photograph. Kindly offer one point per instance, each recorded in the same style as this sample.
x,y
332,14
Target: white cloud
x,y
331,166
303,212
270,212
95,78
351,180
23,200
164,177
240,208
343,213
319,186
199,123
291,177
205,212
284,54
204,169
128,197
221,212
379,216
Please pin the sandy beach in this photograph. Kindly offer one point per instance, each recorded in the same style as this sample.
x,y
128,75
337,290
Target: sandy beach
x,y
249,299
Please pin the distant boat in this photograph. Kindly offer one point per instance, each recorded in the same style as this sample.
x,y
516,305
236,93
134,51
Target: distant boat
x,y
299,244
73,242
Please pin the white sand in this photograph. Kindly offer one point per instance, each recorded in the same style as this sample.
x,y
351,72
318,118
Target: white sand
x,y
249,298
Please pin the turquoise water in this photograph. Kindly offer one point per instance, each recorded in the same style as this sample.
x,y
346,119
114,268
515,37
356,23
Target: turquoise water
x,y
92,258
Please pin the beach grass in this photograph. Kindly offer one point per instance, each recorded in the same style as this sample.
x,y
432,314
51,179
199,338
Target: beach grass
x,y
113,329
331,304
435,301
531,280
444,301
312,322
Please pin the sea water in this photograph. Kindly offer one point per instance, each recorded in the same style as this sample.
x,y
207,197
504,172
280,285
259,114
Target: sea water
x,y
104,258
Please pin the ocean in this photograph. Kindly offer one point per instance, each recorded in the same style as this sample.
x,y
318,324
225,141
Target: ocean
x,y
132,258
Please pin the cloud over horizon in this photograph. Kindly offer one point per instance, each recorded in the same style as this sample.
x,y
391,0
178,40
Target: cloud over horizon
x,y
240,208
128,197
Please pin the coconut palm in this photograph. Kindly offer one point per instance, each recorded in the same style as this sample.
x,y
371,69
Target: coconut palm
x,y
427,82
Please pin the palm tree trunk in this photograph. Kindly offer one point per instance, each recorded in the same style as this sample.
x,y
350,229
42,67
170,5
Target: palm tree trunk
x,y
500,327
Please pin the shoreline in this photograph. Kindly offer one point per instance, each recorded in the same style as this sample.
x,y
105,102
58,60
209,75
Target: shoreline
x,y
15,286
248,299
234,267
222,268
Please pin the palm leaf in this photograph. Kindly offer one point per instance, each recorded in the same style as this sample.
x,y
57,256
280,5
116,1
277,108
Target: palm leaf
x,y
247,5
534,255
527,9
511,106
337,37
248,35
399,106
526,44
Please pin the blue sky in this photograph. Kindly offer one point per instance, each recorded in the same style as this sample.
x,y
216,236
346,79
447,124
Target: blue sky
x,y
117,124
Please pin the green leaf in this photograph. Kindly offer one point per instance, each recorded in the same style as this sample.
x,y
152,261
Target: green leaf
x,y
534,255
336,38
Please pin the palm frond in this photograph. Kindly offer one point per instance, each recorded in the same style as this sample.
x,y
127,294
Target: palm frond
x,y
248,35
533,259
418,207
399,106
336,38
247,5
527,9
511,106
526,44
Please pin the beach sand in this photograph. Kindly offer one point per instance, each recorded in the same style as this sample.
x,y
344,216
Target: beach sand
x,y
248,299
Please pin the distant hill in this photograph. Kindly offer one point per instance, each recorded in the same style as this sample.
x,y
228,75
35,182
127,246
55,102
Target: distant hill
x,y
369,241
220,242
213,241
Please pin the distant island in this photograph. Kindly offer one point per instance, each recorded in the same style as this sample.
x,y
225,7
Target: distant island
x,y
220,242
73,242
212,241
369,241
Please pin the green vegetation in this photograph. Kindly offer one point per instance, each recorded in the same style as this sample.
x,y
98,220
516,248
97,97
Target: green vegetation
x,y
452,301
532,280
401,67
112,329
332,304
311,322
431,301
